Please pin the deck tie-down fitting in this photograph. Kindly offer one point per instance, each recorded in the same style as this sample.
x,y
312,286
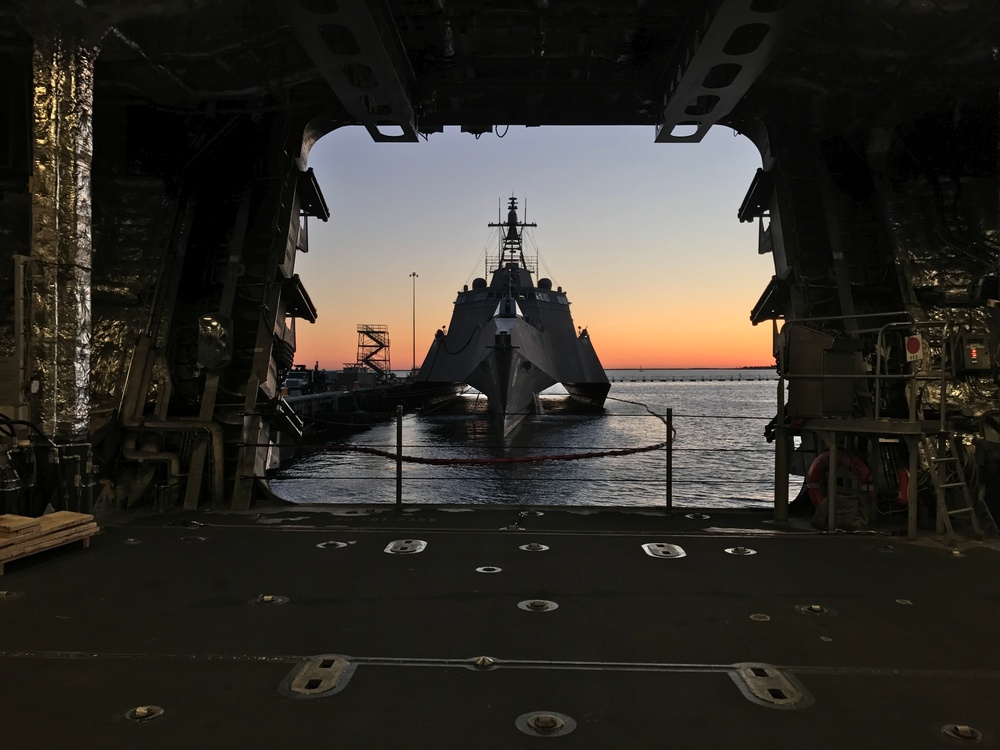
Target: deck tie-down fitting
x,y
769,686
318,677
545,723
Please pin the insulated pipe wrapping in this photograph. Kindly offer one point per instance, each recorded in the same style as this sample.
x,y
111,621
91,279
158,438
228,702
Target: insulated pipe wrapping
x,y
61,247
942,263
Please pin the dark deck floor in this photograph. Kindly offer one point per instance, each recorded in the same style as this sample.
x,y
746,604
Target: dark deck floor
x,y
639,651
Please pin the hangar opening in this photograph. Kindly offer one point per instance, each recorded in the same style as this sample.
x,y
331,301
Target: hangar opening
x,y
155,176
644,238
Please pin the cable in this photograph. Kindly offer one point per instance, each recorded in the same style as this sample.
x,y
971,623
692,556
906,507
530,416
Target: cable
x,y
7,428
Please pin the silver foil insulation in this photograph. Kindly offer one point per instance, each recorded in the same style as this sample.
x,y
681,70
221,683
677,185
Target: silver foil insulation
x,y
943,256
60,270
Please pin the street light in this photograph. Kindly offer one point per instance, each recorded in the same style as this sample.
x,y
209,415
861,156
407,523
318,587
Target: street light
x,y
414,276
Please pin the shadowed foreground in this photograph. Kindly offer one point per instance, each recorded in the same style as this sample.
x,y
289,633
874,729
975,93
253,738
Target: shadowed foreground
x,y
841,641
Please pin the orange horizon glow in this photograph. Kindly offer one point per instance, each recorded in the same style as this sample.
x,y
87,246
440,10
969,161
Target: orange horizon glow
x,y
681,349
644,239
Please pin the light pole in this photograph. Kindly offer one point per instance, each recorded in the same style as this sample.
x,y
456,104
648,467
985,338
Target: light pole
x,y
414,276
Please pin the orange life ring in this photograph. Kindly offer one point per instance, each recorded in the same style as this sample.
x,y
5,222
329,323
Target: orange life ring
x,y
816,480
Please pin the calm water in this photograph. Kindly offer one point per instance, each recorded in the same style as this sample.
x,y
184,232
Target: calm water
x,y
720,456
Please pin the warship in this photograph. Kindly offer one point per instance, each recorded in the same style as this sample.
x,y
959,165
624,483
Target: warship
x,y
510,339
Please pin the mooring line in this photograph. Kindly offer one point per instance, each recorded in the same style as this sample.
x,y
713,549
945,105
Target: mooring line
x,y
505,460
519,459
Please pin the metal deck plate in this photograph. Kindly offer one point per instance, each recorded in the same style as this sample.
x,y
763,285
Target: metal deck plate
x,y
628,632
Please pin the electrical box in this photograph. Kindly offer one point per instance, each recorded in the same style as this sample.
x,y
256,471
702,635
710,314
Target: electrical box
x,y
974,355
802,352
838,392
821,372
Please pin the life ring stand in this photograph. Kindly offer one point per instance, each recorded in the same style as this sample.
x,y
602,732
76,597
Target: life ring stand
x,y
816,476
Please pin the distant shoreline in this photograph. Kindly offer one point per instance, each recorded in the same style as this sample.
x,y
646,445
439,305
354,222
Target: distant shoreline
x,y
681,369
751,368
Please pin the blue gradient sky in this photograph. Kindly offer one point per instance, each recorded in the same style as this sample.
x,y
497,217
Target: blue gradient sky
x,y
642,236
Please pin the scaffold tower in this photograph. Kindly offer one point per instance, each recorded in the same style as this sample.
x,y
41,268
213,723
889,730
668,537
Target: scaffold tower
x,y
373,347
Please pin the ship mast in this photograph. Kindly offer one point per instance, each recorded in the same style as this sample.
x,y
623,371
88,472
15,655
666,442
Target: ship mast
x,y
510,248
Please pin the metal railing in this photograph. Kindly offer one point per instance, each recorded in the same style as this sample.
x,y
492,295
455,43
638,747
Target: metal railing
x,y
877,377
908,429
721,463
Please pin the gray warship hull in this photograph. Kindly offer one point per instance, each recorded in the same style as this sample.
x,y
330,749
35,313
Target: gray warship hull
x,y
511,339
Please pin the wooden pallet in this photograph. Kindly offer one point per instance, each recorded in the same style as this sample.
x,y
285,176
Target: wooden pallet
x,y
21,536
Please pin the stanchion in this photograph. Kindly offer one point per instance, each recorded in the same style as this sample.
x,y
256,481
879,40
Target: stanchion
x,y
781,459
399,456
670,460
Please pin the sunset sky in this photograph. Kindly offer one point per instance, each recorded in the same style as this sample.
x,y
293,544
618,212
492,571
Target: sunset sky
x,y
642,236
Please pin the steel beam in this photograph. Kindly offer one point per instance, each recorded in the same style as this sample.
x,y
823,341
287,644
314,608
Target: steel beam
x,y
356,48
726,48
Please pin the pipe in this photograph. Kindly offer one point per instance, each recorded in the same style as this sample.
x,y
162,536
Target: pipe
x,y
131,452
214,430
60,231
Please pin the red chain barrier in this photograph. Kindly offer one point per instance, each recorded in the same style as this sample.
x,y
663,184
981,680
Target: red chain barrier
x,y
510,460
516,459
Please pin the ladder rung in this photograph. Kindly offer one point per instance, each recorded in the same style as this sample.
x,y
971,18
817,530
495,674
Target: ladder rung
x,y
959,510
952,484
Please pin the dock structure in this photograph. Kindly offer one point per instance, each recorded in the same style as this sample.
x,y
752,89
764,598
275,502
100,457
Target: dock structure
x,y
373,348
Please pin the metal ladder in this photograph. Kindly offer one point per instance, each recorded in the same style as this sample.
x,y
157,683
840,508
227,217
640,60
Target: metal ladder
x,y
947,474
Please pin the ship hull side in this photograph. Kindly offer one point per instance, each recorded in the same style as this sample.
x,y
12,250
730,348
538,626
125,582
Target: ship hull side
x,y
514,369
511,360
574,363
590,394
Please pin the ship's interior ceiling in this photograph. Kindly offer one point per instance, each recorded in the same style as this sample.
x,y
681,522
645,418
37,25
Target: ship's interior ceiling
x,y
154,185
424,64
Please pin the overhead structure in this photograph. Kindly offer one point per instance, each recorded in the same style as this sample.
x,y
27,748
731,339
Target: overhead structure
x,y
717,59
358,52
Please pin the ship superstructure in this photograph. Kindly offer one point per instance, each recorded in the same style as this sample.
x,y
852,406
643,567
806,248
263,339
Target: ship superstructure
x,y
510,339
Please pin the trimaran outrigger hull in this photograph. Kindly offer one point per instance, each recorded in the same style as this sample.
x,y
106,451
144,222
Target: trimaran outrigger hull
x,y
511,340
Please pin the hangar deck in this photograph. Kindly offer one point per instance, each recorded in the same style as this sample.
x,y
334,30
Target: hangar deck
x,y
853,640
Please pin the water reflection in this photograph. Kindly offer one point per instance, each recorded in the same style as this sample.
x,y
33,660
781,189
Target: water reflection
x,y
720,456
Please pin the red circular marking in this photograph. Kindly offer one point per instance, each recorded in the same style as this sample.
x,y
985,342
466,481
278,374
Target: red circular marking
x,y
913,345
